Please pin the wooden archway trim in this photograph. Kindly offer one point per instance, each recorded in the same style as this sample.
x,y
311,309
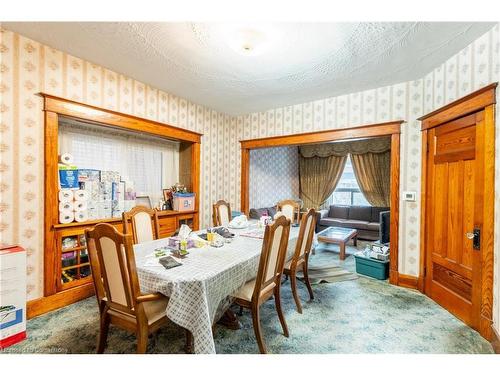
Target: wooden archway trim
x,y
392,129
53,108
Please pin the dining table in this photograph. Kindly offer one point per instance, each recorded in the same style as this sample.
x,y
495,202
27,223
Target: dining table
x,y
200,289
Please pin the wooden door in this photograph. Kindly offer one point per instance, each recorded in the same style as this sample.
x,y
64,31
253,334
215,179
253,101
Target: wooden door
x,y
454,215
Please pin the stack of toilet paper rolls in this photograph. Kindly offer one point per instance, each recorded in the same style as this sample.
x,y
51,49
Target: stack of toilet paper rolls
x,y
73,206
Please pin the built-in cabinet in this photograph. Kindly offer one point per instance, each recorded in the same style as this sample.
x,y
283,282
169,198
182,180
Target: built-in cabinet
x,y
67,275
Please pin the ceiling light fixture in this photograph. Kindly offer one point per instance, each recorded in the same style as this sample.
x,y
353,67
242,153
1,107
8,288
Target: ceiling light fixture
x,y
250,40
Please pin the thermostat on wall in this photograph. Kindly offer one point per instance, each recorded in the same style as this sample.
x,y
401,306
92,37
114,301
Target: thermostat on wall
x,y
409,196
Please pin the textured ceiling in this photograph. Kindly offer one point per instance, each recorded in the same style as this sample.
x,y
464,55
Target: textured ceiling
x,y
300,62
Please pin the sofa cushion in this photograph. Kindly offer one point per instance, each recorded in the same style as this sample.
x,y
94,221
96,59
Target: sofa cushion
x,y
343,223
331,222
356,224
373,226
376,213
339,212
363,213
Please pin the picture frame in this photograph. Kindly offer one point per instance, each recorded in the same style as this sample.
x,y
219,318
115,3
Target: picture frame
x,y
144,200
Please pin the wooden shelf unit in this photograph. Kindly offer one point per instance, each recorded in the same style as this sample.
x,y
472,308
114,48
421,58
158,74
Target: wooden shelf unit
x,y
59,289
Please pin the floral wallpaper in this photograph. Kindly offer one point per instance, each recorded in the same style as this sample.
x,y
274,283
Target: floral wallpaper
x,y
28,67
274,176
474,67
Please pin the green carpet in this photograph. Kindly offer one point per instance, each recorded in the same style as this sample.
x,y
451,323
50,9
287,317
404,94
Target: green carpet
x,y
356,316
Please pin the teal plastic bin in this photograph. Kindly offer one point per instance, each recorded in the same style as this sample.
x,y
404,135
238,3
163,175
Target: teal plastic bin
x,y
378,269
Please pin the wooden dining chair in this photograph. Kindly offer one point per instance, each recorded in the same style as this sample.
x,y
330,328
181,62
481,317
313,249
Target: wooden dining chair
x,y
301,256
268,281
96,274
124,305
221,213
142,222
289,208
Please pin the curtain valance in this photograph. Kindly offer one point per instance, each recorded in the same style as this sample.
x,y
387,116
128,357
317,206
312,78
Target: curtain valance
x,y
323,150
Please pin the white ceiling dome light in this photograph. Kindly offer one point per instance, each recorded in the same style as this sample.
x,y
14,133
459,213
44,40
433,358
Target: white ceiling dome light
x,y
249,40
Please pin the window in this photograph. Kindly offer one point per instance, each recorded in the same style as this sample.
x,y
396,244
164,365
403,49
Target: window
x,y
347,191
150,163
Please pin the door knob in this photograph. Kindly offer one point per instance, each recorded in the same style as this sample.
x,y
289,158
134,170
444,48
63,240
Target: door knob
x,y
476,236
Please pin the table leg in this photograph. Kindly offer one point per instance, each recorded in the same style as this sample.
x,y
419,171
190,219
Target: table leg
x,y
355,240
342,250
229,320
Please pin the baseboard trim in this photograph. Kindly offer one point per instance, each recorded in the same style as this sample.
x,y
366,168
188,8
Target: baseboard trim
x,y
495,341
43,305
408,281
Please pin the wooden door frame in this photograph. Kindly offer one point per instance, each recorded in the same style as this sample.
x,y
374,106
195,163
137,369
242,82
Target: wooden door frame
x,y
392,129
483,99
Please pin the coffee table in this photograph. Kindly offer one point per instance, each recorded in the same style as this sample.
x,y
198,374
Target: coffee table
x,y
339,236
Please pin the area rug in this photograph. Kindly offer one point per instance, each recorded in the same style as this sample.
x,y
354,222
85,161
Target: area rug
x,y
328,274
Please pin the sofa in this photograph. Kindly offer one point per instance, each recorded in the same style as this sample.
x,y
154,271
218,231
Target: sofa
x,y
256,213
366,219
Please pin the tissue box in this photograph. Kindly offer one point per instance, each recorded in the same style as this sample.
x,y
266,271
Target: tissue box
x,y
184,201
173,240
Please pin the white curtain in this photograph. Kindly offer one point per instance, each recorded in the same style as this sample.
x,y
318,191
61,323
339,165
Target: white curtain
x,y
152,164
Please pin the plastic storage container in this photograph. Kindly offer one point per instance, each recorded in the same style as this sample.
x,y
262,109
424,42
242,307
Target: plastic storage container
x,y
184,201
378,269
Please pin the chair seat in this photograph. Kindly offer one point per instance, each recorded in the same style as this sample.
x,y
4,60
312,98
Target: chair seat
x,y
246,291
155,310
288,265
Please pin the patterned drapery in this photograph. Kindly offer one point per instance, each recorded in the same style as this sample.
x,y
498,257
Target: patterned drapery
x,y
319,177
373,171
373,145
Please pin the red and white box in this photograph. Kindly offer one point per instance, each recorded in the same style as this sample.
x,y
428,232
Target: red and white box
x,y
12,295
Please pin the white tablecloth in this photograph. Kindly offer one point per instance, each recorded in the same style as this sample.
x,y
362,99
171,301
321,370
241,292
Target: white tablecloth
x,y
206,278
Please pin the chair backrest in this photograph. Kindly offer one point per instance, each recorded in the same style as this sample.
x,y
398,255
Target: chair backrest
x,y
142,222
117,266
221,213
306,235
96,270
289,207
272,257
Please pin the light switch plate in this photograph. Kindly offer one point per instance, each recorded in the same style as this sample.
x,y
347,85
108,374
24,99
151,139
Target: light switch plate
x,y
409,196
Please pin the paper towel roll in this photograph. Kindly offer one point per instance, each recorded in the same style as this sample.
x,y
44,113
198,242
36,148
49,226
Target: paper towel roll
x,y
81,195
66,195
66,159
81,216
66,206
66,217
80,206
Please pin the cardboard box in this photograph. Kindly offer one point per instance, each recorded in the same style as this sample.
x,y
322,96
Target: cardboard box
x,y
13,295
184,201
